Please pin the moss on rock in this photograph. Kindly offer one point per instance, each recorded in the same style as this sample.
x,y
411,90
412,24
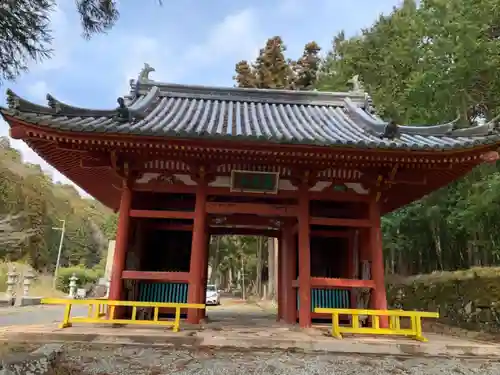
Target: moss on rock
x,y
466,299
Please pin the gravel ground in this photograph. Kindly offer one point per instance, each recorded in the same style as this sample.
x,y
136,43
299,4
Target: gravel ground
x,y
153,361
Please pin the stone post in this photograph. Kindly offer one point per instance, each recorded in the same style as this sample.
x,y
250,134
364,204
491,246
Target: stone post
x,y
28,277
108,283
72,286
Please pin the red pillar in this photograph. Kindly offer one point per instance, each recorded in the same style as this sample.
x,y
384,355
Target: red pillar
x,y
280,279
350,265
198,244
287,245
379,299
304,258
203,289
120,254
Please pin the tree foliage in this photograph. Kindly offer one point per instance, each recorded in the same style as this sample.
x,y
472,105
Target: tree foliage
x,y
31,206
425,65
26,35
272,70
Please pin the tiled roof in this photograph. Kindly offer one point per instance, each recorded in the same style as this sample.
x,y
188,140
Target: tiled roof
x,y
290,117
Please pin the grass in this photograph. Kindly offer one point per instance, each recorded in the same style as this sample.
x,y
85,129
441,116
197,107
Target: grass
x,y
445,276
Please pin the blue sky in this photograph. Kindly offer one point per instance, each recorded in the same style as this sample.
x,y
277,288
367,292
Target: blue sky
x,y
189,41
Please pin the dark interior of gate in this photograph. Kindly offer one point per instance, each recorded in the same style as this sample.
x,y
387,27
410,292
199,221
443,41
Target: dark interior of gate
x,y
164,245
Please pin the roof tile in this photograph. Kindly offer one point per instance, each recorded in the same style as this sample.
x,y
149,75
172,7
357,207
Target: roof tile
x,y
316,118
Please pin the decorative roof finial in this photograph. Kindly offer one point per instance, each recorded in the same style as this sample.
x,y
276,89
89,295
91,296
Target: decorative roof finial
x,y
493,125
144,74
54,103
125,114
142,78
357,86
12,99
391,131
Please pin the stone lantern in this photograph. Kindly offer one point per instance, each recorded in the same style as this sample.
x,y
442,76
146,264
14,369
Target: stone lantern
x,y
12,279
72,286
28,279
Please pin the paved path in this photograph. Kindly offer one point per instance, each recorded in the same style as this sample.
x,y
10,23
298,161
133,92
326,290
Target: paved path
x,y
36,314
52,314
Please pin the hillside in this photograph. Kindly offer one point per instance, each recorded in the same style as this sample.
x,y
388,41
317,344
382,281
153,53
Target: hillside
x,y
31,205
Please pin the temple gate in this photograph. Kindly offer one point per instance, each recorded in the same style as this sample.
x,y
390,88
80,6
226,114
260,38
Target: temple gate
x,y
315,170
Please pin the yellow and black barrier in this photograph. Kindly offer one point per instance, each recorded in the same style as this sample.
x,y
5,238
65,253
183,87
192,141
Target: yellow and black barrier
x,y
415,317
103,311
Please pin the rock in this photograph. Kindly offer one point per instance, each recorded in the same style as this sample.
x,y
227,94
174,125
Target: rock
x,y
40,362
464,299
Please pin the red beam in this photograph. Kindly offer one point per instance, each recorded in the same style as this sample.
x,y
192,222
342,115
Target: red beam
x,y
331,233
248,220
244,231
326,282
251,208
337,222
156,214
339,196
182,277
170,226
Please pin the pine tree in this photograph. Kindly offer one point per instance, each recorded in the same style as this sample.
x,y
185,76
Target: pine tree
x,y
271,67
272,70
245,75
26,35
307,67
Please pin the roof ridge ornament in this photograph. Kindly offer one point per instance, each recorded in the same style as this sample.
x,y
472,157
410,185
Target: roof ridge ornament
x,y
356,85
391,130
13,100
143,77
54,103
125,114
493,125
16,103
144,73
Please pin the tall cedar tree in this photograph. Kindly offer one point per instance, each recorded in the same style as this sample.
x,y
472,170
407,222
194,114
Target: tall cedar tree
x,y
271,67
307,67
272,70
26,36
245,75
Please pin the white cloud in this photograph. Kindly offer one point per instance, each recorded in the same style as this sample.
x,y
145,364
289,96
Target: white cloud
x,y
63,39
237,37
38,91
146,50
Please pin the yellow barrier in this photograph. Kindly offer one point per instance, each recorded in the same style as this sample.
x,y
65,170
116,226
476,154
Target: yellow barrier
x,y
98,309
415,330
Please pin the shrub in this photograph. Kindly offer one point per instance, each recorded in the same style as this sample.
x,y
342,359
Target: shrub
x,y
85,276
3,277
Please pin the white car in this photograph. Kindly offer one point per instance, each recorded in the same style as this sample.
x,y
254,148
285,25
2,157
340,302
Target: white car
x,y
212,296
